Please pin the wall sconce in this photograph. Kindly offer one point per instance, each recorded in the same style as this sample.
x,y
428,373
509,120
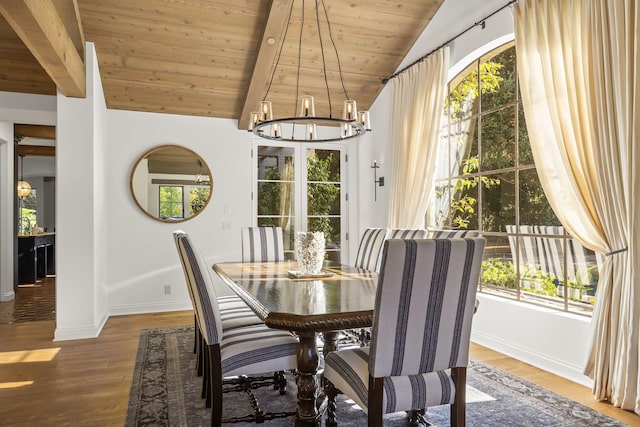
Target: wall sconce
x,y
376,181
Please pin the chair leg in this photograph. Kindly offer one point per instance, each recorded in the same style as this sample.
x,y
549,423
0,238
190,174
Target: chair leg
x,y
374,409
199,353
206,376
281,382
215,380
458,408
331,392
195,335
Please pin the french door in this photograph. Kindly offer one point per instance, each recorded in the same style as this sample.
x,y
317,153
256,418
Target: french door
x,y
301,187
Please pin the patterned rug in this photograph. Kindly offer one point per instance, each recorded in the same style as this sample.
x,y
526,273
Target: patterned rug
x,y
166,392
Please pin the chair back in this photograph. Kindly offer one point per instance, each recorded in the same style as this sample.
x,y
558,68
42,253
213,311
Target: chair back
x,y
262,244
453,234
370,249
424,305
203,292
405,233
176,237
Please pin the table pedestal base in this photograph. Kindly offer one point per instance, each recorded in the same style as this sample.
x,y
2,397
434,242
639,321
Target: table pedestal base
x,y
308,414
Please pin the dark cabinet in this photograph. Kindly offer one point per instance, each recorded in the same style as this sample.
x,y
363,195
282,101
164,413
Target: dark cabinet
x,y
36,257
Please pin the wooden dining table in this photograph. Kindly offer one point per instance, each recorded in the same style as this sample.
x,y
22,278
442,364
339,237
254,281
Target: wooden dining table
x,y
340,297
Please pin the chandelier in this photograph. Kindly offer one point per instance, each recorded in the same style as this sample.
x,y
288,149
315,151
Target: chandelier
x,y
306,126
24,189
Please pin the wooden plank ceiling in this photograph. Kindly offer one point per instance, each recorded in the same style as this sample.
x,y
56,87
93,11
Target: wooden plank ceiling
x,y
215,57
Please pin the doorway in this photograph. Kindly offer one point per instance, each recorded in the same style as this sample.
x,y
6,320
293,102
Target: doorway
x,y
34,219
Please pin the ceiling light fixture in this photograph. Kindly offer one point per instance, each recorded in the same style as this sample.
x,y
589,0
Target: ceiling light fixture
x,y
202,179
24,188
307,126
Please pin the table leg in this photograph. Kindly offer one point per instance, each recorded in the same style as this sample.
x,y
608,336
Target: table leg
x,y
307,388
330,341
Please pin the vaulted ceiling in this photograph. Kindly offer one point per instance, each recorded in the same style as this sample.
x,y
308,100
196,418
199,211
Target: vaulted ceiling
x,y
208,57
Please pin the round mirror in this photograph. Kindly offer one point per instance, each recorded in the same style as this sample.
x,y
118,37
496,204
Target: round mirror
x,y
171,183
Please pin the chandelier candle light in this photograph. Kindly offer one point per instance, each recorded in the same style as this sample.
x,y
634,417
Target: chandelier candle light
x,y
353,123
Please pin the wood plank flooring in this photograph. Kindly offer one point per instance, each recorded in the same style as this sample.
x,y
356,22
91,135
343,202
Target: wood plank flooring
x,y
36,301
86,382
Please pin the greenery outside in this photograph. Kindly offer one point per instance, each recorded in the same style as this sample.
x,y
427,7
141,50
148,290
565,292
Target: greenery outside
x,y
171,205
487,180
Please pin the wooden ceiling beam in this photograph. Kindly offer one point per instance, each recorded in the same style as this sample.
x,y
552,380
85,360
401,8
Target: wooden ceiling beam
x,y
274,29
35,131
48,29
36,150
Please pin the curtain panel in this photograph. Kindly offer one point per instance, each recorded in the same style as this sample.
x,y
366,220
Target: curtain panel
x,y
577,62
417,105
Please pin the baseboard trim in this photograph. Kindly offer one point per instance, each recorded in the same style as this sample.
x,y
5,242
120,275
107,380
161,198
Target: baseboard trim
x,y
8,296
539,360
123,310
79,333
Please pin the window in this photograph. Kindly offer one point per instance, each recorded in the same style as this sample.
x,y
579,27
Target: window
x,y
28,211
198,197
171,201
486,179
300,188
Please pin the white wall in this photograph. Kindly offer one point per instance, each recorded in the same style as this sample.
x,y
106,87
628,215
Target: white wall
x,y
7,202
142,257
81,233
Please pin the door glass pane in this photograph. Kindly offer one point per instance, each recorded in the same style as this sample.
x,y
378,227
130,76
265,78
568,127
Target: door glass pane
x,y
324,197
198,197
275,198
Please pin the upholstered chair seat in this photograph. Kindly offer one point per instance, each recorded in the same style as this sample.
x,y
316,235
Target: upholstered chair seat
x,y
235,313
401,393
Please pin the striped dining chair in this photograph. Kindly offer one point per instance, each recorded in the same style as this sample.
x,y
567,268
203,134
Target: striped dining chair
x,y
452,234
243,350
420,335
407,233
370,249
262,244
234,312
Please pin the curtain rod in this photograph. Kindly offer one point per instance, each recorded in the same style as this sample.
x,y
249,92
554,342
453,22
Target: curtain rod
x,y
475,24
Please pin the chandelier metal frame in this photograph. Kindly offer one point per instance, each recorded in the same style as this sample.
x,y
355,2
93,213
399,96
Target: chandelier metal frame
x,y
352,124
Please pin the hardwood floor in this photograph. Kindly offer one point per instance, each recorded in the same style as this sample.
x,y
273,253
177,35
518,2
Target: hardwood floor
x,y
86,382
35,301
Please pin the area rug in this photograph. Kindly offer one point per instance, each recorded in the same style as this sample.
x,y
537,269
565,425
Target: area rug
x,y
166,392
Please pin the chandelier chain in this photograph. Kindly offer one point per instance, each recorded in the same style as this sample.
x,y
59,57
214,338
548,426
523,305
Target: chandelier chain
x,y
295,108
335,49
284,37
324,64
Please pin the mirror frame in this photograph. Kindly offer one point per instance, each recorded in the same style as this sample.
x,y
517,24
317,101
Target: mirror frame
x,y
156,149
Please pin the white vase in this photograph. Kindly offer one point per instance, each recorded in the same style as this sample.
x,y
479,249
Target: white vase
x,y
310,248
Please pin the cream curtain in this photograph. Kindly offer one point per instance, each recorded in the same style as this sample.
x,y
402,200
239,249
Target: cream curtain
x,y
577,62
416,110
